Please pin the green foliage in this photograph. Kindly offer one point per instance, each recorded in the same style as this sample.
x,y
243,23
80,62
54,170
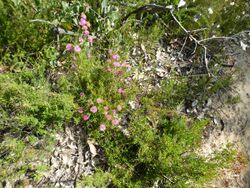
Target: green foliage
x,y
174,92
204,87
30,114
161,145
40,89
233,99
164,153
99,179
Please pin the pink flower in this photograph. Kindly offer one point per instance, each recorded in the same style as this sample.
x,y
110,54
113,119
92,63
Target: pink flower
x,y
83,16
102,127
85,117
86,33
69,47
93,109
108,117
77,49
119,108
106,108
82,22
80,110
99,100
116,64
82,94
121,91
115,57
81,40
90,39
115,122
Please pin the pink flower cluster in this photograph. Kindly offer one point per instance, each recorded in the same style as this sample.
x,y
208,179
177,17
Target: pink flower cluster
x,y
113,118
117,67
116,63
109,114
85,26
70,47
86,117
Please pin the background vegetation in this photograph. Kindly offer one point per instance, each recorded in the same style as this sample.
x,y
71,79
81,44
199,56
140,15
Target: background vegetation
x,y
42,86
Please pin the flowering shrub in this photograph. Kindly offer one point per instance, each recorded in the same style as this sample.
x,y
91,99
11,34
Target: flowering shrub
x,y
102,100
102,110
148,144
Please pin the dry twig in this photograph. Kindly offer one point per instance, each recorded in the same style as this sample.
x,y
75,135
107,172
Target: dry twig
x,y
197,42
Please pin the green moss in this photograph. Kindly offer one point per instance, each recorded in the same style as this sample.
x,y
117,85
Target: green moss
x,y
233,99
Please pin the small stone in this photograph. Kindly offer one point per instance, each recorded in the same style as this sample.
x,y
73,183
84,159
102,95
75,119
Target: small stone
x,y
194,103
216,122
209,102
92,148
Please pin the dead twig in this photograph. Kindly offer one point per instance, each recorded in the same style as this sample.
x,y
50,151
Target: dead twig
x,y
168,179
198,30
200,42
184,44
197,42
152,8
218,38
56,28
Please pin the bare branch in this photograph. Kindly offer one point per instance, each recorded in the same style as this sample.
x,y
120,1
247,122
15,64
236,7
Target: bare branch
x,y
43,21
56,29
198,30
179,23
168,179
218,38
152,8
194,39
184,44
205,59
